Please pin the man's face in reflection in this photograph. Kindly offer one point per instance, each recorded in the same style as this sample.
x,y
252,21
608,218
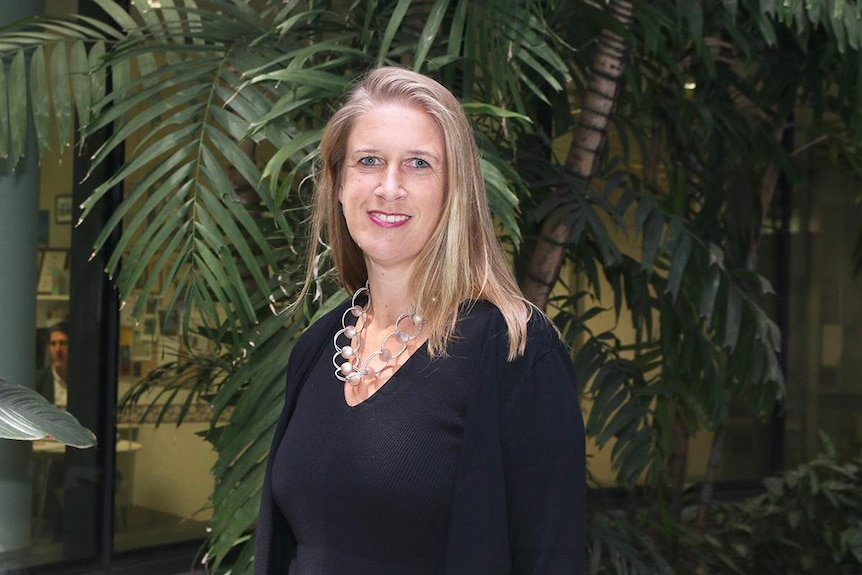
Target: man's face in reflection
x,y
59,344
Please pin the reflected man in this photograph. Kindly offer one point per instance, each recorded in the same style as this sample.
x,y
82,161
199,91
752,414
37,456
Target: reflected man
x,y
51,381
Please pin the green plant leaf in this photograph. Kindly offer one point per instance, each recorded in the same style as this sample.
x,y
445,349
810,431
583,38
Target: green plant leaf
x,y
679,261
17,83
733,316
120,16
98,75
429,32
395,22
79,76
61,96
40,99
24,414
709,292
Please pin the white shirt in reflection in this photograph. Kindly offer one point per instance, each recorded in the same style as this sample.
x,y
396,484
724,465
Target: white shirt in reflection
x,y
60,390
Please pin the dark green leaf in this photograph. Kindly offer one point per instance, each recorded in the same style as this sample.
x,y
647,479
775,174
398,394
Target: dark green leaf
x,y
708,293
98,73
79,75
61,96
395,22
679,260
17,83
40,99
429,32
733,315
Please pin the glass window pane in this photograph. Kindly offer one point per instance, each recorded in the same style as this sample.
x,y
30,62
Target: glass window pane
x,y
64,484
163,470
825,315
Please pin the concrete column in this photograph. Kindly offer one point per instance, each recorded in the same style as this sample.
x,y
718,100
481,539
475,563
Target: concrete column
x,y
19,209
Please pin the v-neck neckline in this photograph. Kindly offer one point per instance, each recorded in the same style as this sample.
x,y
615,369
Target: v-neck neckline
x,y
394,378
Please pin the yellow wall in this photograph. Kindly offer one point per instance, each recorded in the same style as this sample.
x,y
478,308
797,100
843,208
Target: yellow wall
x,y
172,470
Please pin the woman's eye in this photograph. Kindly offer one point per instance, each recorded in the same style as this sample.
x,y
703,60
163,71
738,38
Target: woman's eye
x,y
420,163
368,161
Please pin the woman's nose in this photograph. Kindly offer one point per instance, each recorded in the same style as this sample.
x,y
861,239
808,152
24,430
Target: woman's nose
x,y
391,185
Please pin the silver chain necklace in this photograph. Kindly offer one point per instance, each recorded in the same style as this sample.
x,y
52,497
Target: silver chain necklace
x,y
349,366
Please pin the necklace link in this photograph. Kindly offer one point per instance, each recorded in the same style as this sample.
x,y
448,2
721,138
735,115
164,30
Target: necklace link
x,y
349,366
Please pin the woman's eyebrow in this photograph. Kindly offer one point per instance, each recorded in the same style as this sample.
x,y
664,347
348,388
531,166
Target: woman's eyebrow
x,y
423,153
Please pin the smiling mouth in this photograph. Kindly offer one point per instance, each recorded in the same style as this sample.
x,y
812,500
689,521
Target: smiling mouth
x,y
390,218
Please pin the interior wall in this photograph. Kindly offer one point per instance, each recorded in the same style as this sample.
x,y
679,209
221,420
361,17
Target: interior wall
x,y
172,470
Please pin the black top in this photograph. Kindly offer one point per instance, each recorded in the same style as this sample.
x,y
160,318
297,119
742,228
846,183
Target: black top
x,y
368,489
518,503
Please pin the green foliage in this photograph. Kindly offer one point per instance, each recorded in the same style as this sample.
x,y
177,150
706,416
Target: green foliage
x,y
617,544
808,520
708,91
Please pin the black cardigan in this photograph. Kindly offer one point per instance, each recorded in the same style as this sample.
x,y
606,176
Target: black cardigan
x,y
519,500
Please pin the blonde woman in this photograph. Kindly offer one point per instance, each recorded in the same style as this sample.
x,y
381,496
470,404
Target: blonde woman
x,y
431,423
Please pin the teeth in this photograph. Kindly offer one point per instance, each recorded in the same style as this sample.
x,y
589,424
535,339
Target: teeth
x,y
392,219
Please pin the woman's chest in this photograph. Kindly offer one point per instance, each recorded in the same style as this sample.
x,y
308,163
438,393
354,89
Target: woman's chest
x,y
378,478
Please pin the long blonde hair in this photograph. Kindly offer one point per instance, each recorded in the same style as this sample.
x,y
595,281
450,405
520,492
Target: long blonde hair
x,y
463,262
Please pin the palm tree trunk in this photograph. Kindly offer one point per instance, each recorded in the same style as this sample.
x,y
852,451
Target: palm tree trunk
x,y
708,485
589,135
678,462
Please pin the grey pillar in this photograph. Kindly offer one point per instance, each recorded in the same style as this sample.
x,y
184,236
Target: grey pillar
x,y
19,209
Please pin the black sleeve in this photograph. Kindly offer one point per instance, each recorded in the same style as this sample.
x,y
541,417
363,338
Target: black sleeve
x,y
544,458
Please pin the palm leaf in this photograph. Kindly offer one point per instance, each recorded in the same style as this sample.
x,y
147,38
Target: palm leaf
x,y
79,76
40,99
17,106
61,95
24,414
429,33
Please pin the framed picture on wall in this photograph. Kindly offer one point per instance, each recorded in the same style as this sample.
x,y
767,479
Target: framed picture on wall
x,y
52,272
63,209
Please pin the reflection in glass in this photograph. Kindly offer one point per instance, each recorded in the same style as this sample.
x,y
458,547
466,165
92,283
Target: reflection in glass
x,y
163,469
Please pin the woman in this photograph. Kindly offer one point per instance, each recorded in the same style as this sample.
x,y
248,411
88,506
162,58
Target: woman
x,y
431,423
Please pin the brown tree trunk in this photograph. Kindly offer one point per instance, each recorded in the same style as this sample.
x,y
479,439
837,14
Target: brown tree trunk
x,y
706,488
678,461
588,138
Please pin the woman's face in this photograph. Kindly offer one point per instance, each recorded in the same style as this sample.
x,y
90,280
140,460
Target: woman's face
x,y
393,184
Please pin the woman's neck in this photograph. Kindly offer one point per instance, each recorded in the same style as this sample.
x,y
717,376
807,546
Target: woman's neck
x,y
390,296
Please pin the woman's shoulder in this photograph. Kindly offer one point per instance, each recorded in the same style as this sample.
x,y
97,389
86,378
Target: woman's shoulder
x,y
545,364
486,318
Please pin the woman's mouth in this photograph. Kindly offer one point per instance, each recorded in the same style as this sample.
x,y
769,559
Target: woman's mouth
x,y
388,220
